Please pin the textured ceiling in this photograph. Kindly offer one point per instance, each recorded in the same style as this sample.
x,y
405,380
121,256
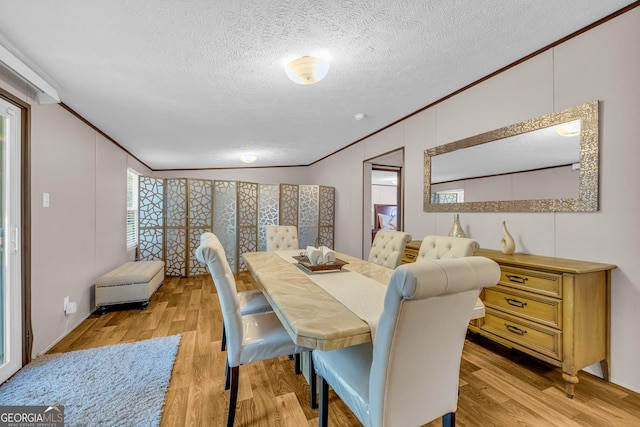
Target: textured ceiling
x,y
191,84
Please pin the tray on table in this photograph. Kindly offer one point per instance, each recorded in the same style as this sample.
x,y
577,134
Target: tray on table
x,y
334,266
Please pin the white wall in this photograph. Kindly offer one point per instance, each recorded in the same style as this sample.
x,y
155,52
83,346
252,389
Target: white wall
x,y
602,64
82,234
384,194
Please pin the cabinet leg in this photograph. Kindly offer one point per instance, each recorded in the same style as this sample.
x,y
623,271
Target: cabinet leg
x,y
604,365
571,381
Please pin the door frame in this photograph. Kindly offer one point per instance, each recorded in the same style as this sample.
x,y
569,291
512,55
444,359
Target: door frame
x,y
24,109
393,158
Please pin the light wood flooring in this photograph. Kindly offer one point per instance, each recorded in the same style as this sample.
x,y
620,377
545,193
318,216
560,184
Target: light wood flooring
x,y
498,387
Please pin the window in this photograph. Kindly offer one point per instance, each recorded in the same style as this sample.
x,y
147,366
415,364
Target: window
x,y
132,209
448,196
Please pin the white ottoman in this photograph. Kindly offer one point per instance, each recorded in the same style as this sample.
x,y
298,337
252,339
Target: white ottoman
x,y
130,283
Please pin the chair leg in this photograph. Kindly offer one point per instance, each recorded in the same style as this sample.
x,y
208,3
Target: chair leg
x,y
233,396
449,420
323,411
296,364
313,384
227,380
223,346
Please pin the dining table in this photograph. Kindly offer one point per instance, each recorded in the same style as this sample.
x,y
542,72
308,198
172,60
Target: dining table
x,y
327,309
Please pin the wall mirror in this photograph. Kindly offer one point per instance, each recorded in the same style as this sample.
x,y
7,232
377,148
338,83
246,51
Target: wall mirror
x,y
546,164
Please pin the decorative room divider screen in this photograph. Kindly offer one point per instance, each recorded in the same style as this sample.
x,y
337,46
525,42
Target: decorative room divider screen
x,y
174,212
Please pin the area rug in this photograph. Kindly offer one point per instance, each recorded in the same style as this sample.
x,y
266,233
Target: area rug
x,y
118,385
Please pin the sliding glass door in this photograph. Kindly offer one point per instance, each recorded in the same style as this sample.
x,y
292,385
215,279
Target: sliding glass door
x,y
10,269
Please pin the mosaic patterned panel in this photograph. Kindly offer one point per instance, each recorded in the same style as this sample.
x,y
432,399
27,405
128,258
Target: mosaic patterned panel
x,y
195,267
176,202
247,204
150,244
151,202
237,212
268,203
325,237
308,215
225,218
200,203
326,211
228,238
288,204
200,217
175,252
247,220
151,218
247,238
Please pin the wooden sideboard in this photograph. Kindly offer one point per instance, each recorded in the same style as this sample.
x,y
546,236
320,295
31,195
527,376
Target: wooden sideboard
x,y
554,309
411,251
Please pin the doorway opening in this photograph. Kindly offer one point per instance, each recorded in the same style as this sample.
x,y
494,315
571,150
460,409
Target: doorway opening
x,y
383,196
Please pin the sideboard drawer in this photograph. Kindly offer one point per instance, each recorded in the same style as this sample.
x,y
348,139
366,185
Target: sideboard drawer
x,y
531,280
409,256
411,251
542,339
530,306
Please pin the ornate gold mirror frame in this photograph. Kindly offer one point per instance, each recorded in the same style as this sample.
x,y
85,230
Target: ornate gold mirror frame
x,y
587,199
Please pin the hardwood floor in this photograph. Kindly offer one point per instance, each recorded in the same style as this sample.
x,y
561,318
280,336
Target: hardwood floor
x,y
498,387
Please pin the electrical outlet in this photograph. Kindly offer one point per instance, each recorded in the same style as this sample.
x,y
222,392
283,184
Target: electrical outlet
x,y
66,302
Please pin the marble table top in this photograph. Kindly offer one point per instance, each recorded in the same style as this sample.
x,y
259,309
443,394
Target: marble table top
x,y
312,316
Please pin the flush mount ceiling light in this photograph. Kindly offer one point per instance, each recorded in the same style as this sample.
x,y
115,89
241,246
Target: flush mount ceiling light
x,y
248,157
307,70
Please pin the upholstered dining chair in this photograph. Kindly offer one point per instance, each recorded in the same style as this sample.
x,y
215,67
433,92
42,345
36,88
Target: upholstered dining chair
x,y
282,237
443,247
388,247
250,338
440,247
250,302
409,375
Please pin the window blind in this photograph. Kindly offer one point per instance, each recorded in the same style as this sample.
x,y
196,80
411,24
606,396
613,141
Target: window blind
x,y
132,209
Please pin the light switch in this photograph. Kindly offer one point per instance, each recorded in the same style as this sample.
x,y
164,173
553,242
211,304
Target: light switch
x,y
45,200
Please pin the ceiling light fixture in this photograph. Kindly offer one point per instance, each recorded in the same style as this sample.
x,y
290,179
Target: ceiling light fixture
x,y
359,116
248,157
307,70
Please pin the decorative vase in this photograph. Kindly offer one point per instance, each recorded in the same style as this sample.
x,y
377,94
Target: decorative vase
x,y
507,244
456,230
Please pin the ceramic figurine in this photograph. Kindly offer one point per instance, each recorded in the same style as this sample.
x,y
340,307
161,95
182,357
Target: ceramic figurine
x,y
507,244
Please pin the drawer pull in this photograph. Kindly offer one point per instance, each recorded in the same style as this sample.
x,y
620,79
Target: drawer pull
x,y
515,330
515,302
410,256
516,279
